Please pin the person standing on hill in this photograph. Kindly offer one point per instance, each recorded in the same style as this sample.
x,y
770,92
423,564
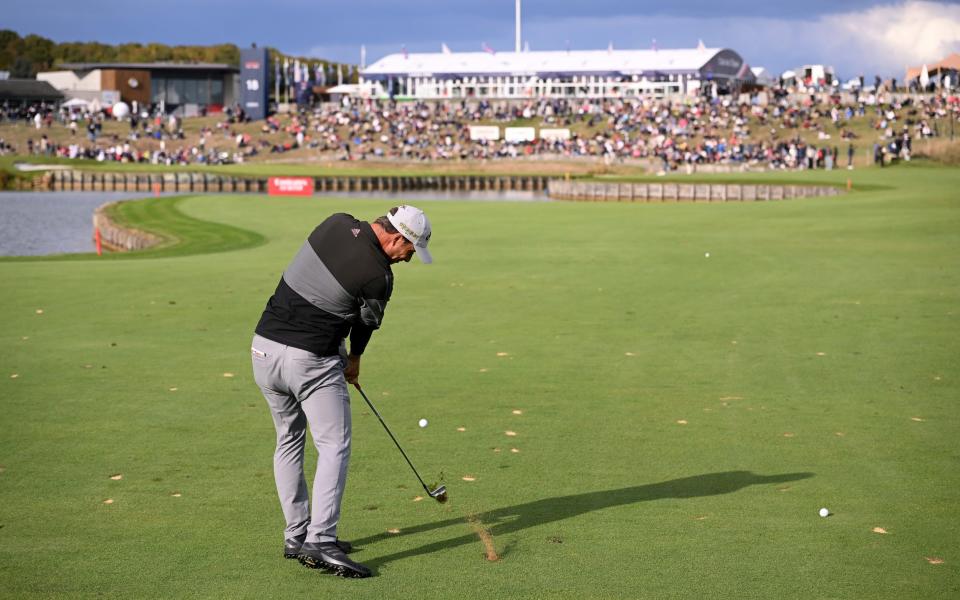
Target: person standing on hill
x,y
337,286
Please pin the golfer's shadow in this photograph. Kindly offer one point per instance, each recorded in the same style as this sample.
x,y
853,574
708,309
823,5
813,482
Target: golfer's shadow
x,y
511,519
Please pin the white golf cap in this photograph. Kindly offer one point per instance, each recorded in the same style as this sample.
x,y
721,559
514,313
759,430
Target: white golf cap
x,y
415,226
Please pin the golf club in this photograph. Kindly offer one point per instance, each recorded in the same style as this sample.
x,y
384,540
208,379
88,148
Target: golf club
x,y
439,494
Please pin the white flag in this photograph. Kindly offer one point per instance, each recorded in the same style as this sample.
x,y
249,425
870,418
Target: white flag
x,y
296,71
444,49
924,77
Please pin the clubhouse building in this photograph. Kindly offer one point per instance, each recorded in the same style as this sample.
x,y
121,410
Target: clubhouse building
x,y
557,74
177,87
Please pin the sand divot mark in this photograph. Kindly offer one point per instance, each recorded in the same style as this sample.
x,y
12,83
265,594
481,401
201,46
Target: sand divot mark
x,y
933,560
510,433
461,429
484,370
39,311
393,531
517,412
503,354
25,338
468,478
681,421
496,450
108,501
821,353
14,375
724,398
700,518
173,389
917,419
228,375
116,477
879,530
788,435
417,498
515,450
490,553
176,494
839,434
629,354
784,488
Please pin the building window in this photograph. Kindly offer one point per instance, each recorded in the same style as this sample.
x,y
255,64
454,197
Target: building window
x,y
158,90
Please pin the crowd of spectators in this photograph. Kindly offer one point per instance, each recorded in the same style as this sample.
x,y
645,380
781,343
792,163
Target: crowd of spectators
x,y
781,133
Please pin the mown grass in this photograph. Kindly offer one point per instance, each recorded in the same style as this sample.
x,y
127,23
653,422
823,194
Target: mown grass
x,y
180,234
683,418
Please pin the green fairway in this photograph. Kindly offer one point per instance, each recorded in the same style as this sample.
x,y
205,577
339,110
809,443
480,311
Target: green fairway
x,y
682,418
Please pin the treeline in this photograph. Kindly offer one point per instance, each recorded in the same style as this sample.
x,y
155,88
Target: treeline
x,y
25,56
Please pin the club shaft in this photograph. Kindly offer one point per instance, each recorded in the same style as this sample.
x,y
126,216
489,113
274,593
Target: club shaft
x,y
387,429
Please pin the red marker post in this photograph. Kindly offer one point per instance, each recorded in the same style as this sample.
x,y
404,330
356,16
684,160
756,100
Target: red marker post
x,y
96,239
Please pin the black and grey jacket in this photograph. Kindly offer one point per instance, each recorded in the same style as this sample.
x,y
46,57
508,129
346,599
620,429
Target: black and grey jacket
x,y
337,284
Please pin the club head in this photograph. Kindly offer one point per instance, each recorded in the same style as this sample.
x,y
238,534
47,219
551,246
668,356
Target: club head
x,y
439,494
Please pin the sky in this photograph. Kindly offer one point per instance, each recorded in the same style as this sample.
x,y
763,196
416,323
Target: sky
x,y
857,37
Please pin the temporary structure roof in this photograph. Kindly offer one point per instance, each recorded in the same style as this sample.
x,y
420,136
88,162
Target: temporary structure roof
x,y
547,64
950,63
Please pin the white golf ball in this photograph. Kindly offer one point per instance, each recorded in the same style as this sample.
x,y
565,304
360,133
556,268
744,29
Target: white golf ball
x,y
706,255
423,422
824,512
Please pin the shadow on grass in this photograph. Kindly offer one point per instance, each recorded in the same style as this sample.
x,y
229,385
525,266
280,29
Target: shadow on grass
x,y
511,519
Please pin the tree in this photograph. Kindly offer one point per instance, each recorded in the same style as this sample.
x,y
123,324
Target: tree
x,y
22,68
39,51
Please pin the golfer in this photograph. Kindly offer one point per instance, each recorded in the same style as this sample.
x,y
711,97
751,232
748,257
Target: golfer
x,y
337,286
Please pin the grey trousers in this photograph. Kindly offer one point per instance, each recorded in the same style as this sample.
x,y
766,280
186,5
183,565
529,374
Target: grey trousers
x,y
305,390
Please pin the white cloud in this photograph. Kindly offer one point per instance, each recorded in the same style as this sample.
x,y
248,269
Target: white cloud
x,y
883,39
893,36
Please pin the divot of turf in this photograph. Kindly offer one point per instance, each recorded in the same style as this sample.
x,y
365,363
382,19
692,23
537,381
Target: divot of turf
x,y
486,538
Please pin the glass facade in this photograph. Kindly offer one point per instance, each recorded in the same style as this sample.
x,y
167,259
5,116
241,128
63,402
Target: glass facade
x,y
176,89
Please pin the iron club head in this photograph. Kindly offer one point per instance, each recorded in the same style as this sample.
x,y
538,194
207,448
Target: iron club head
x,y
439,494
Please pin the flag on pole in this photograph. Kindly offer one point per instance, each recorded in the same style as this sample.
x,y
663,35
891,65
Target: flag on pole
x,y
700,46
406,54
526,46
610,47
653,46
363,56
444,49
487,48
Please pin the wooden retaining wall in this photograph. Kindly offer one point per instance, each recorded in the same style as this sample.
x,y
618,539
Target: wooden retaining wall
x,y
590,191
207,182
116,238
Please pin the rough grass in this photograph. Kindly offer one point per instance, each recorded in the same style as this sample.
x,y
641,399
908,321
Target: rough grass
x,y
942,151
682,418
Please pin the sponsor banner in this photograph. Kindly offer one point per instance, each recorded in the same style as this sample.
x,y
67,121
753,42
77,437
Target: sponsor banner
x,y
555,134
290,186
519,134
490,133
